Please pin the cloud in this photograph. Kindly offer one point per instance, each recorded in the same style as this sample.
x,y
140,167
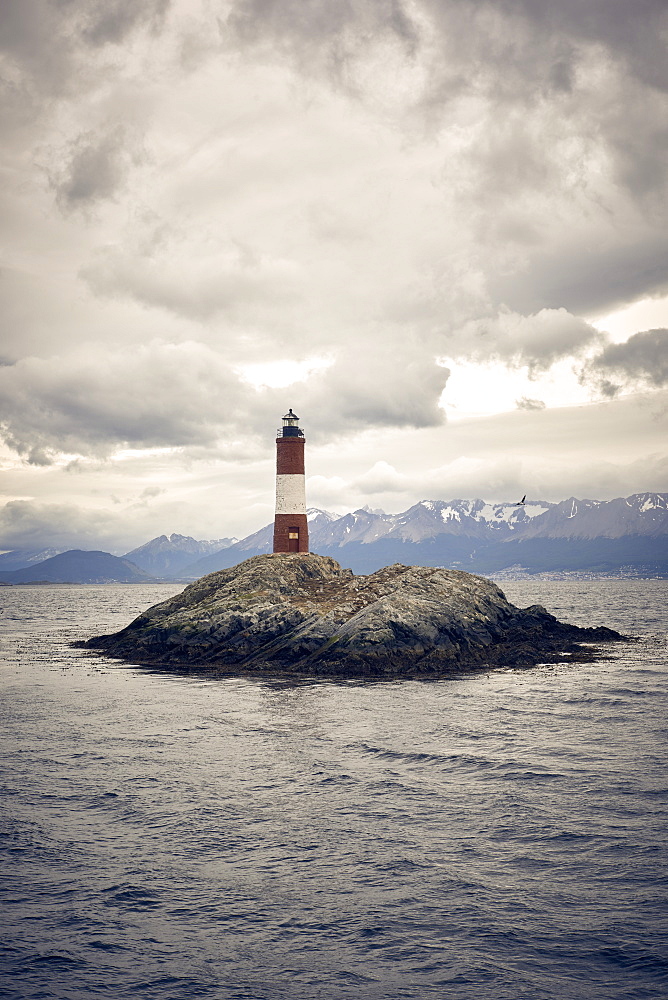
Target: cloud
x,y
429,54
28,524
94,168
550,123
95,401
535,40
544,478
188,396
327,492
529,404
382,478
183,275
111,21
196,188
482,155
628,30
368,386
641,361
599,451
537,341
328,36
150,492
582,278
33,524
48,46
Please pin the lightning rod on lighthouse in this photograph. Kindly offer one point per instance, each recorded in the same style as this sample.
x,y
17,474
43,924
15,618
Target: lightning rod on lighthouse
x,y
290,522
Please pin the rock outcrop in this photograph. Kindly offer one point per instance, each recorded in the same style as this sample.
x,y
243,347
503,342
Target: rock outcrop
x,y
306,615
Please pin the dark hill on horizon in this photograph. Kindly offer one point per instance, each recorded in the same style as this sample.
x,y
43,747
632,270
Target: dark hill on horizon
x,y
79,566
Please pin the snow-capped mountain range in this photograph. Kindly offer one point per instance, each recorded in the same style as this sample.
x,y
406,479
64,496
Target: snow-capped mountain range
x,y
483,537
13,559
626,535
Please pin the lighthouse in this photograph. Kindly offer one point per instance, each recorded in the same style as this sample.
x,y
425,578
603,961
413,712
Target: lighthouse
x,y
290,524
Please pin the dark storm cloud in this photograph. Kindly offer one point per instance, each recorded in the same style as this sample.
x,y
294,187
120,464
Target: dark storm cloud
x,y
630,28
372,184
94,168
576,117
535,341
318,31
45,41
110,21
187,396
533,39
56,56
370,386
586,278
154,396
641,361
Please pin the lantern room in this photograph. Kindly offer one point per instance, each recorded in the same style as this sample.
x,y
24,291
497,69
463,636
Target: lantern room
x,y
291,426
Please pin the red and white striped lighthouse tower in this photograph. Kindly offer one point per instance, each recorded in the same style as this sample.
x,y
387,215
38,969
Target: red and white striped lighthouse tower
x,y
290,523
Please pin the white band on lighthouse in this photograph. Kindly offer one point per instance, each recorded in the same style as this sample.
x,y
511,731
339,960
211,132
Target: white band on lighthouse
x,y
291,494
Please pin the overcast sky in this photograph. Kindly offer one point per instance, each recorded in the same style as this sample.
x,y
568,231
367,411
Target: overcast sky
x,y
436,229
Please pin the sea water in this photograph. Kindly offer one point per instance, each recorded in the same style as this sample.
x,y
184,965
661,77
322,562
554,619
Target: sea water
x,y
495,835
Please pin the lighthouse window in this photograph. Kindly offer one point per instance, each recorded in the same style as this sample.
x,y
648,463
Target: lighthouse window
x,y
293,534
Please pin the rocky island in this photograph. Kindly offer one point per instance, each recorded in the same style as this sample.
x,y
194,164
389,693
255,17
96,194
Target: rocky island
x,y
303,614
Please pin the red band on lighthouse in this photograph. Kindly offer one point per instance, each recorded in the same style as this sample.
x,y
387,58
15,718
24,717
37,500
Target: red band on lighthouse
x,y
290,523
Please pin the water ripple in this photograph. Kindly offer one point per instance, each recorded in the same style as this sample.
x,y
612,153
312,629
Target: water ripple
x,y
491,836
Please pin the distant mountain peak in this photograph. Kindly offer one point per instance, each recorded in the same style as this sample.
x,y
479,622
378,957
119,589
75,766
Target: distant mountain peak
x,y
313,512
480,535
167,555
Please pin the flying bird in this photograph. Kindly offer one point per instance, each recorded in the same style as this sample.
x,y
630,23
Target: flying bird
x,y
520,502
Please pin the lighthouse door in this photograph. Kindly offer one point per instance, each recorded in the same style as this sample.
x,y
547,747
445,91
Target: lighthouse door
x,y
293,539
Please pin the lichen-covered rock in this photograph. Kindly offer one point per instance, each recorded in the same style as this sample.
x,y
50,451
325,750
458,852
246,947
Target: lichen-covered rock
x,y
305,614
